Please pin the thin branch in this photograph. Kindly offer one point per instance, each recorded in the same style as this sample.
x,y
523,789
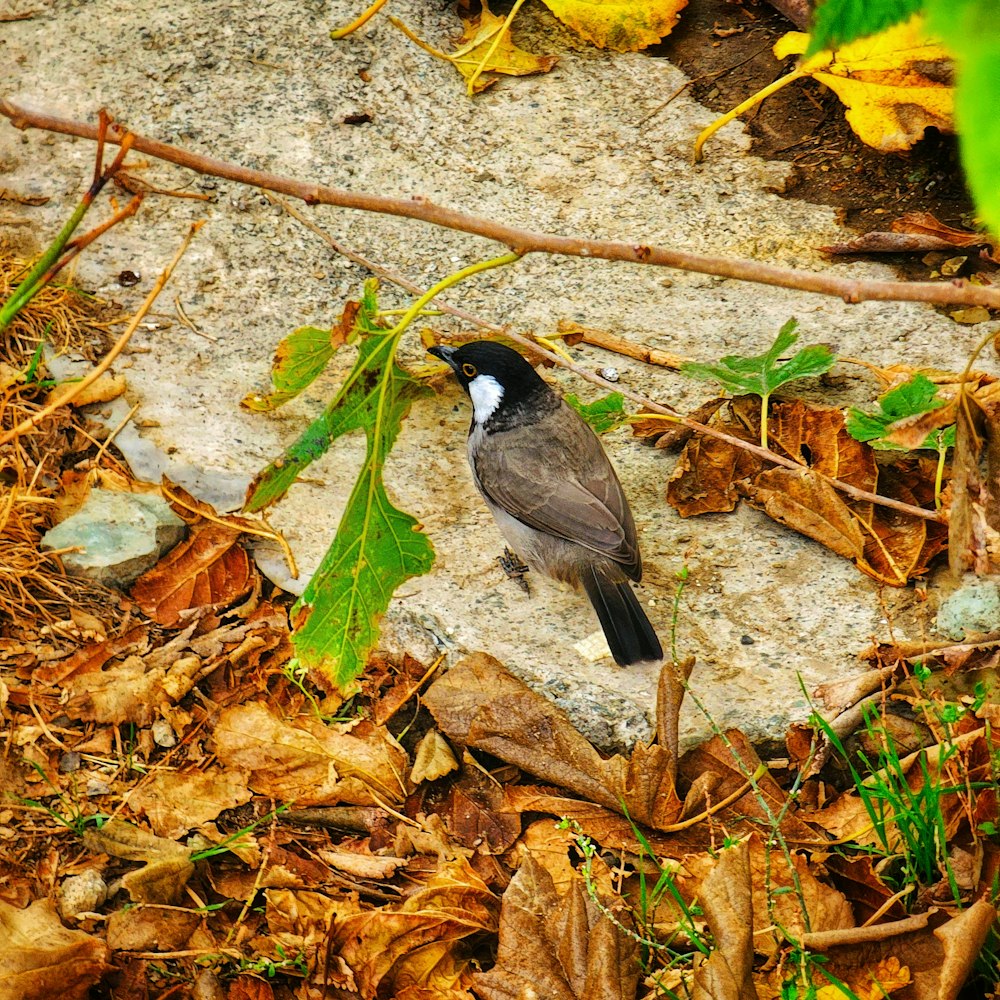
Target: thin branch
x,y
524,241
620,345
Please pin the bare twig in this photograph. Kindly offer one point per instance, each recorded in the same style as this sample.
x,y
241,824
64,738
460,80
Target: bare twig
x,y
524,241
621,346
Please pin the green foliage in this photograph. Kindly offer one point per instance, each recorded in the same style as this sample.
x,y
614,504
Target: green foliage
x,y
912,398
299,358
761,374
377,546
837,22
604,414
971,29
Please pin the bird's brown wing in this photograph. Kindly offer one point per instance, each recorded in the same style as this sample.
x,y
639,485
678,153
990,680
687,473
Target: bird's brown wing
x,y
559,480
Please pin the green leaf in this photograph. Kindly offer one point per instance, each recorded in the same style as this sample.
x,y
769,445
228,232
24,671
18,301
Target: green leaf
x,y
761,374
299,358
604,414
916,396
971,29
377,546
837,22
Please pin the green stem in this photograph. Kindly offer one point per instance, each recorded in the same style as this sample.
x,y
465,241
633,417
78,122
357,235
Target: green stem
x,y
453,279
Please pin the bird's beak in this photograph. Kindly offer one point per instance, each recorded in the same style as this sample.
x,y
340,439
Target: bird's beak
x,y
445,353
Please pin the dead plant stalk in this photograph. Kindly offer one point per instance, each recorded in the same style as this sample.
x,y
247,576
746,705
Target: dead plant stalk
x,y
522,241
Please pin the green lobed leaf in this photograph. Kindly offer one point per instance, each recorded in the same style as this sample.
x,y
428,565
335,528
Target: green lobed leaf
x,y
837,22
377,546
604,414
915,396
971,30
298,360
761,374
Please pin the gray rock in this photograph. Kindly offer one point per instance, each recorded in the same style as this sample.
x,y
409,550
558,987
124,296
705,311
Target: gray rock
x,y
82,893
119,536
973,608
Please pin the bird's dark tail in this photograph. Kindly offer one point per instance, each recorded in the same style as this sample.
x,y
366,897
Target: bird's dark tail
x,y
630,636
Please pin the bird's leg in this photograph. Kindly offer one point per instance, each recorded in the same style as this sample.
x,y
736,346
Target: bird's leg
x,y
514,568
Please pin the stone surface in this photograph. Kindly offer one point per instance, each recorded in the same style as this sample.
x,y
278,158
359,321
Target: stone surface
x,y
119,536
569,153
973,608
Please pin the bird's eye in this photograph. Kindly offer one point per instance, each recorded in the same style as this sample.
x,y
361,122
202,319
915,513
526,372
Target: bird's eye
x,y
469,370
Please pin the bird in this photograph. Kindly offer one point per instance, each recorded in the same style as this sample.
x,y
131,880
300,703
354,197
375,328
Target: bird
x,y
552,490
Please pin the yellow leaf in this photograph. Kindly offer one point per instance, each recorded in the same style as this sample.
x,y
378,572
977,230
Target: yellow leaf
x,y
480,51
622,25
895,84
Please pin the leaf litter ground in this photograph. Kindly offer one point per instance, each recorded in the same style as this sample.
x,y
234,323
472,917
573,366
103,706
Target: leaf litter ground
x,y
185,814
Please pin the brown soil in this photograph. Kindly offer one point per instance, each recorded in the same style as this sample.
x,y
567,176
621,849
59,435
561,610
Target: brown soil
x,y
726,48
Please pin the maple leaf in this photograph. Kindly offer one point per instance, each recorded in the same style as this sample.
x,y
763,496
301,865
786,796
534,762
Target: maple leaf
x,y
622,25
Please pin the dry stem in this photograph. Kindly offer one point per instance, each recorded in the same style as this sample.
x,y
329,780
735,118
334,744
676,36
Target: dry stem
x,y
524,241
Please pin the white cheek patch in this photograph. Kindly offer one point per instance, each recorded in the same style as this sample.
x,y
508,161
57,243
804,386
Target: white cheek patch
x,y
486,393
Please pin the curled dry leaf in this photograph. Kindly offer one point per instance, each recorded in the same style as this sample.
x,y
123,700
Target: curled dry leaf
x,y
298,921
131,691
886,544
175,802
727,901
479,704
418,941
560,948
432,759
42,959
937,952
209,569
308,762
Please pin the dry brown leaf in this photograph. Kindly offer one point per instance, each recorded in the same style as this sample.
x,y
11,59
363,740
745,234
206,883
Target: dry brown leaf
x,y
477,815
732,758
41,959
151,928
862,886
308,762
705,477
93,656
811,506
938,953
549,845
361,864
175,802
479,704
560,948
209,569
727,902
249,988
417,942
298,921
130,691
432,758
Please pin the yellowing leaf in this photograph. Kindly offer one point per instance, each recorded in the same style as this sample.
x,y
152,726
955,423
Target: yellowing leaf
x,y
895,84
481,53
622,25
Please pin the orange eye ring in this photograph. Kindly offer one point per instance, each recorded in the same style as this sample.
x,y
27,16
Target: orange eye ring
x,y
469,371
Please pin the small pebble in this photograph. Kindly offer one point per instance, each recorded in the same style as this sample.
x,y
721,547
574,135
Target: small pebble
x,y
609,374
746,640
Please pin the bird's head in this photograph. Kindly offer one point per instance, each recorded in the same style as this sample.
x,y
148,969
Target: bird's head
x,y
496,377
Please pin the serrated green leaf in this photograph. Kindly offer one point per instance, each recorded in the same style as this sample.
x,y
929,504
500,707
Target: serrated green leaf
x,y
971,30
604,414
761,374
377,546
915,396
837,22
298,360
